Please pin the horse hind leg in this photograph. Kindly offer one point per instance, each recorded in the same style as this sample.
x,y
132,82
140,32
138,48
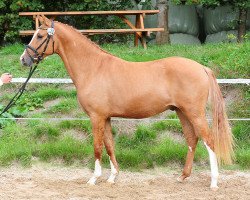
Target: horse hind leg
x,y
109,145
213,167
191,140
201,129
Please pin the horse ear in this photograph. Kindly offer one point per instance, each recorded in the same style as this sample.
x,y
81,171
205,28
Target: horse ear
x,y
52,18
40,19
44,20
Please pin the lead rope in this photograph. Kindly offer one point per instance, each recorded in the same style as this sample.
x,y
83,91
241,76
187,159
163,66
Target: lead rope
x,y
19,93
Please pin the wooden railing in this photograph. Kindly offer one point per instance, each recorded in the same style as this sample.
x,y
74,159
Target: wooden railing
x,y
136,28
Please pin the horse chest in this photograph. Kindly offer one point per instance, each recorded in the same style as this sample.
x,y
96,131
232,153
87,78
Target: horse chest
x,y
92,102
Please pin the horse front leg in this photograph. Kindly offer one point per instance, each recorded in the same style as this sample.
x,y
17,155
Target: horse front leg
x,y
109,144
98,128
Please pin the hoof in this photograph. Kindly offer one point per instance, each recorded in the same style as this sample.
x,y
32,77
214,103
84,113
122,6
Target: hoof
x,y
111,182
91,181
181,178
112,178
90,184
214,188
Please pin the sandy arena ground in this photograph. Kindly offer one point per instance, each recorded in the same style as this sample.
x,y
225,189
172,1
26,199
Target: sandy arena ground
x,y
50,182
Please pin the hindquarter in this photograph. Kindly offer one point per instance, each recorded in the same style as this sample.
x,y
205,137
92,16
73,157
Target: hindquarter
x,y
188,82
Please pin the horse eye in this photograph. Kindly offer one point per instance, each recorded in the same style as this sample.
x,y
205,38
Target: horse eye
x,y
39,35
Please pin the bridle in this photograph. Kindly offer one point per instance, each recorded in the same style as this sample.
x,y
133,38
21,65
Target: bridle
x,y
37,58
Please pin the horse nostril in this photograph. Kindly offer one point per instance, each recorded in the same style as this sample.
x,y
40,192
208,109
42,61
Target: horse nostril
x,y
23,61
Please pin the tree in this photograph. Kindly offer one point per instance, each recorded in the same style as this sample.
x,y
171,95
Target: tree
x,y
242,5
9,20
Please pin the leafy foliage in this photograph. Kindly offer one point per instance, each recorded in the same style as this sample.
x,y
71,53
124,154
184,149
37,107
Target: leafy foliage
x,y
11,23
23,105
29,103
215,3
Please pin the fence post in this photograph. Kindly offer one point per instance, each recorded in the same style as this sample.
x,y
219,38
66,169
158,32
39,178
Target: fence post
x,y
162,37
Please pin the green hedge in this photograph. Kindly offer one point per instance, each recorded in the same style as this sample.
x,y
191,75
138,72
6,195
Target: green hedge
x,y
11,23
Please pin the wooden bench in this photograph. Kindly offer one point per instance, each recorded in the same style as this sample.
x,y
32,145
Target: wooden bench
x,y
137,28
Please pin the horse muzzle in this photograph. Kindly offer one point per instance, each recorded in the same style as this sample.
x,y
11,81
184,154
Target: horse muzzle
x,y
26,60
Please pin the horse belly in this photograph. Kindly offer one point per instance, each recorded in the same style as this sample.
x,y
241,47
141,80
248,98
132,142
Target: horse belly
x,y
145,106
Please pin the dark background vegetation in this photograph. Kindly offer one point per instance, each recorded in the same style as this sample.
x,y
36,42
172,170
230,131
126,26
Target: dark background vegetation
x,y
11,23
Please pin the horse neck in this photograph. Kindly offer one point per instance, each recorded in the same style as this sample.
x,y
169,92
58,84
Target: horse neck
x,y
80,56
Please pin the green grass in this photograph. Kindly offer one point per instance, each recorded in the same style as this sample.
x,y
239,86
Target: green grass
x,y
227,60
84,126
169,150
241,130
64,106
240,108
52,66
15,146
47,130
169,125
148,146
243,157
47,93
68,149
143,149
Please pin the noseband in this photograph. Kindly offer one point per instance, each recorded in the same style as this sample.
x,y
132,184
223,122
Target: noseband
x,y
36,58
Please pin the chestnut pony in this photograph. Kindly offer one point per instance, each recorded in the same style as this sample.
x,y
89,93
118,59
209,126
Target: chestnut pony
x,y
108,86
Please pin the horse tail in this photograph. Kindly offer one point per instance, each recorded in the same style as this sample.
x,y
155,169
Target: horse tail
x,y
221,132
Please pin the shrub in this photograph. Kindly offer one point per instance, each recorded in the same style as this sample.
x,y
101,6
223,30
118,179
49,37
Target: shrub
x,y
11,23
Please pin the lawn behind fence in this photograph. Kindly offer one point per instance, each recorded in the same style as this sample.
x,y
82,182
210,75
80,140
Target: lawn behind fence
x,y
152,144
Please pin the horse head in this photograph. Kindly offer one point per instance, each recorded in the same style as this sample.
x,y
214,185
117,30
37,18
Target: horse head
x,y
42,44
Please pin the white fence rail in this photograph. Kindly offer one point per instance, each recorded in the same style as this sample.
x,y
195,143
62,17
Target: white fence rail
x,y
68,81
112,119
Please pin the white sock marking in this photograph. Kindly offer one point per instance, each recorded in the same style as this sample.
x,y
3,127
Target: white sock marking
x,y
213,166
113,174
97,173
190,148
